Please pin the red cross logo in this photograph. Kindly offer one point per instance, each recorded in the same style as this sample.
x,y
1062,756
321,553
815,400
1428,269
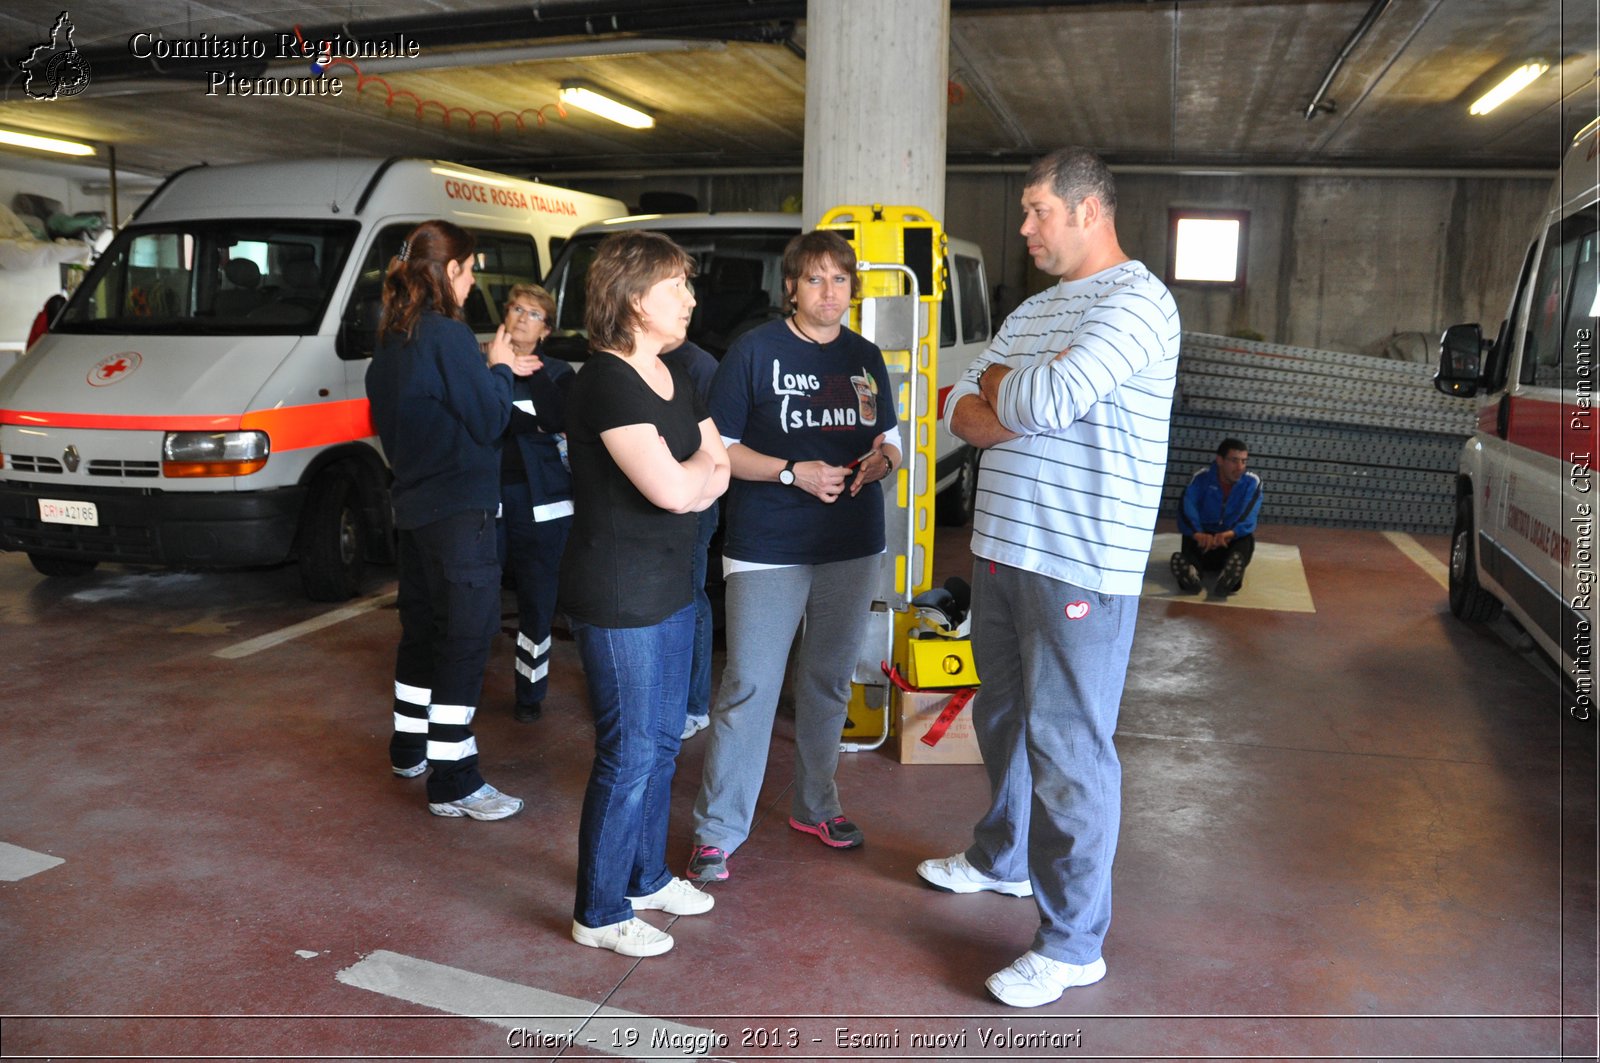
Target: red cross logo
x,y
113,367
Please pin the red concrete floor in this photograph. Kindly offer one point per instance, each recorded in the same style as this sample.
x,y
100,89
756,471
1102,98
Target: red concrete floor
x,y
1363,832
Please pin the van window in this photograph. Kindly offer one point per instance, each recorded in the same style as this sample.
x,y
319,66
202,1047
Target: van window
x,y
222,277
973,290
504,260
1561,319
738,284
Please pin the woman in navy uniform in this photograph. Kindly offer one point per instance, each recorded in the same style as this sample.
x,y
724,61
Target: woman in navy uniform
x,y
535,488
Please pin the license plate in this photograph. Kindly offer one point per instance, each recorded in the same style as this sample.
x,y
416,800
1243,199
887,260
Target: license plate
x,y
58,511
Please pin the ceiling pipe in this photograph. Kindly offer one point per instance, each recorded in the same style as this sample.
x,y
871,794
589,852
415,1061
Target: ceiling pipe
x,y
1019,168
1317,103
755,21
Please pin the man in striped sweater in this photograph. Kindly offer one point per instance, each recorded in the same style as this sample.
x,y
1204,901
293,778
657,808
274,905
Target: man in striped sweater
x,y
1070,405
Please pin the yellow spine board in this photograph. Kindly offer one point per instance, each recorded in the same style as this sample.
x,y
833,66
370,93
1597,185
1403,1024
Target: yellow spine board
x,y
908,236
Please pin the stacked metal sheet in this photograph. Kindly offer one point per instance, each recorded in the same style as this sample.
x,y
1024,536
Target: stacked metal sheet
x,y
1341,440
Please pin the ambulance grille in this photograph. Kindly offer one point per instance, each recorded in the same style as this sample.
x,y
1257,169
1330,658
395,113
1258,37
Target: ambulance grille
x,y
125,469
33,463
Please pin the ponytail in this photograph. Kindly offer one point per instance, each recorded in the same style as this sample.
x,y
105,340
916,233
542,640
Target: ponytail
x,y
418,279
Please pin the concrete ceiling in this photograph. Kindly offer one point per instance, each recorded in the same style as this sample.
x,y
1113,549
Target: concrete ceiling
x,y
1191,83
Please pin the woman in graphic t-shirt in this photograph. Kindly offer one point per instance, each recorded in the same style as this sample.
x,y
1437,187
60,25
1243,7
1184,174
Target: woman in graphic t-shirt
x,y
807,411
645,459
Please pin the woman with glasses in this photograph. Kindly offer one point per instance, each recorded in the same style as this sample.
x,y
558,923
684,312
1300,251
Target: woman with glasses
x,y
535,488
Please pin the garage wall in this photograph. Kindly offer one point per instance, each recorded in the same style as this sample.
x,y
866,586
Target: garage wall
x,y
1360,264
23,291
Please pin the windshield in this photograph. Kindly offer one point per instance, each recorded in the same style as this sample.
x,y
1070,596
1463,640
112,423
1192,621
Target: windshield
x,y
738,284
271,276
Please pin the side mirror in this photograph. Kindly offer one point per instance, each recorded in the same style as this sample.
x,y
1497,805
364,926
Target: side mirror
x,y
358,330
1460,370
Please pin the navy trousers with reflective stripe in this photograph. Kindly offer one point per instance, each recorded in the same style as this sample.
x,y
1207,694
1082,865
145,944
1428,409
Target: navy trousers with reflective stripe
x,y
532,548
449,604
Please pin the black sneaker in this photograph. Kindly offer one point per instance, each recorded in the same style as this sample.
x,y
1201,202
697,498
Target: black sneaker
x,y
1188,578
1232,577
836,833
529,711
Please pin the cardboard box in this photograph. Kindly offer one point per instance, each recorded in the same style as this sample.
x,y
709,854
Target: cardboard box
x,y
916,712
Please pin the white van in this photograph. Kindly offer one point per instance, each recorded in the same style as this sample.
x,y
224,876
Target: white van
x,y
739,285
200,402
1526,493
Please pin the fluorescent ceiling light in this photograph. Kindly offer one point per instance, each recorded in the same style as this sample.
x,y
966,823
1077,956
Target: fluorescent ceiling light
x,y
1515,82
38,143
578,94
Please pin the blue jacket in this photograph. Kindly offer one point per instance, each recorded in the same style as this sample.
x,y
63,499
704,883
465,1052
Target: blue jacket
x,y
535,437
440,413
1205,511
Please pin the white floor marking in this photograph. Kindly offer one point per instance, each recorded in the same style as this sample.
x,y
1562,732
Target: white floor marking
x,y
17,863
1419,553
305,627
534,1018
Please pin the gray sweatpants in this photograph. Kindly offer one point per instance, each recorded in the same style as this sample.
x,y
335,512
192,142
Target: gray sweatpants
x,y
1052,658
764,609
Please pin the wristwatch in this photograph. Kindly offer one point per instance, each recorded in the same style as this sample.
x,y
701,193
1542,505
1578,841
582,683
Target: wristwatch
x,y
786,475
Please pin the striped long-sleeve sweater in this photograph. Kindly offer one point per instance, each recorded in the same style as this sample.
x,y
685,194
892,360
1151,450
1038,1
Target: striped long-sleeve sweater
x,y
1075,496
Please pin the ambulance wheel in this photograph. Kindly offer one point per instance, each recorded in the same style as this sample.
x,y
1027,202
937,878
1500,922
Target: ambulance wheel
x,y
61,566
1467,600
333,537
956,503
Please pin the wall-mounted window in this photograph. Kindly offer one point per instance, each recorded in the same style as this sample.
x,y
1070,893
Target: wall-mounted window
x,y
1207,246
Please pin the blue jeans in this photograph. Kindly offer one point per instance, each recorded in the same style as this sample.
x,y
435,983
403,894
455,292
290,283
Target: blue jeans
x,y
700,670
1053,658
638,687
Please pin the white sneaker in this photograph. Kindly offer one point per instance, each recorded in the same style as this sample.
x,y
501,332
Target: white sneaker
x,y
1034,979
678,897
483,803
954,874
693,725
631,937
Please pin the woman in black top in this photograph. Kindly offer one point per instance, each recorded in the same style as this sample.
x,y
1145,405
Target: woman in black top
x,y
645,459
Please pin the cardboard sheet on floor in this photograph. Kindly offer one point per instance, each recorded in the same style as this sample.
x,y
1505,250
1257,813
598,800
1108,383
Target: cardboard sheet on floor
x,y
1275,579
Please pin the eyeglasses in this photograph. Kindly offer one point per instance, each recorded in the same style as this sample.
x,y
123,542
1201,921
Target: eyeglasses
x,y
523,311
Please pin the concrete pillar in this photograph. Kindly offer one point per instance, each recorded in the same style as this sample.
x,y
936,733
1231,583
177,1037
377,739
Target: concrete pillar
x,y
877,75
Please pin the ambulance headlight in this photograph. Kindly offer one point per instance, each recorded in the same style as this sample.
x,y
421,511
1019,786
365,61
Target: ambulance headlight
x,y
214,453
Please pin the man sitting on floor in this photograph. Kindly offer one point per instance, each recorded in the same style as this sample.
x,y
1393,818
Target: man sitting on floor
x,y
1218,521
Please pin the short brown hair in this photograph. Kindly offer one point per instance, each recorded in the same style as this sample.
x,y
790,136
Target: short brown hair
x,y
1074,174
807,250
627,265
536,295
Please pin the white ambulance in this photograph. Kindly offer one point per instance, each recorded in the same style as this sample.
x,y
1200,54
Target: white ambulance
x,y
200,401
739,285
1527,494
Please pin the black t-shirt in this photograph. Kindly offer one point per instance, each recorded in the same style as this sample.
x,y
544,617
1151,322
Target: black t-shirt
x,y
787,398
628,563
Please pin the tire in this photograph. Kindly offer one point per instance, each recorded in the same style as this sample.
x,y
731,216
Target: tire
x,y
956,504
333,539
1468,600
64,567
